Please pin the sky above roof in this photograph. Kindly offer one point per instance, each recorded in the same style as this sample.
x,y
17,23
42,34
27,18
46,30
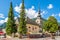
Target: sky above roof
x,y
47,7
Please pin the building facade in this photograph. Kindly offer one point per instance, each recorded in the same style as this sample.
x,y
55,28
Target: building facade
x,y
32,26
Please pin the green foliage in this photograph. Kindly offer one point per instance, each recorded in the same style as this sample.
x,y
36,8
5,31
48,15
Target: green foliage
x,y
59,24
14,28
22,26
8,30
51,25
10,25
46,26
54,28
52,19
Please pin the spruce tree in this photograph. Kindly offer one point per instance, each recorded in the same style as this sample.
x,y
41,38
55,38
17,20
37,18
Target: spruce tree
x,y
10,26
22,25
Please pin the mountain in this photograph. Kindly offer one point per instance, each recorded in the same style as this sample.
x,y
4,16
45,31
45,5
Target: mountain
x,y
3,25
59,23
42,19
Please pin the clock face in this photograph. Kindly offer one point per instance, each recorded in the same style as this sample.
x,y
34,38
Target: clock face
x,y
38,21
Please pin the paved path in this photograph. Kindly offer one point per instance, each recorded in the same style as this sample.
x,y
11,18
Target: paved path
x,y
56,38
26,39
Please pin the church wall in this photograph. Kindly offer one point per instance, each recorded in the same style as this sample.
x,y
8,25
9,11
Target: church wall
x,y
32,28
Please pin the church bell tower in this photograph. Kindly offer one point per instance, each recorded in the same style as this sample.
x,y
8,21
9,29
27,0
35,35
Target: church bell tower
x,y
39,18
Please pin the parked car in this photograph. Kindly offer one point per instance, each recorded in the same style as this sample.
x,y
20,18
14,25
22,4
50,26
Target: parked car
x,y
2,34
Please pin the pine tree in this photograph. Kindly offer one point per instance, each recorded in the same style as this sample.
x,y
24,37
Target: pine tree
x,y
22,27
10,26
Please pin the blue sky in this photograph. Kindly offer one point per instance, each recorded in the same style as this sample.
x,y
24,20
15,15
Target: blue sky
x,y
47,7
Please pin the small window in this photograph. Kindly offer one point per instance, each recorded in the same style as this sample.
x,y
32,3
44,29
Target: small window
x,y
29,27
35,27
29,30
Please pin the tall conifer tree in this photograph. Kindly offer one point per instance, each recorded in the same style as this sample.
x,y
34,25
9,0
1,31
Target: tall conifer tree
x,y
22,27
10,26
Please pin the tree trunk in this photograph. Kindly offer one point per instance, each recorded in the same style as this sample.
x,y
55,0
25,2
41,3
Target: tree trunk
x,y
52,36
13,34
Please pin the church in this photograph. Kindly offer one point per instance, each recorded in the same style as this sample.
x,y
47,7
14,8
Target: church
x,y
32,26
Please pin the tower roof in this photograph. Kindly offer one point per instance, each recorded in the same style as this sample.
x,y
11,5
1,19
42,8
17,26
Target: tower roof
x,y
28,21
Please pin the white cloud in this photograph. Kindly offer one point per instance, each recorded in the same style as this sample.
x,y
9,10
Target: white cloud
x,y
6,19
31,12
18,8
43,12
56,15
32,7
1,22
2,15
53,15
15,18
50,6
59,14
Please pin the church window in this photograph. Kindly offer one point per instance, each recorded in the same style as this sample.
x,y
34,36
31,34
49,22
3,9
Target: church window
x,y
33,28
29,30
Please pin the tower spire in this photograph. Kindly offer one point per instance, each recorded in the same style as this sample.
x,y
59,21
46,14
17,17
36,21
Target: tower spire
x,y
22,1
39,8
39,15
39,18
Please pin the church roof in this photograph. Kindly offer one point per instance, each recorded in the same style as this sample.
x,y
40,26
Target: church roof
x,y
28,20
